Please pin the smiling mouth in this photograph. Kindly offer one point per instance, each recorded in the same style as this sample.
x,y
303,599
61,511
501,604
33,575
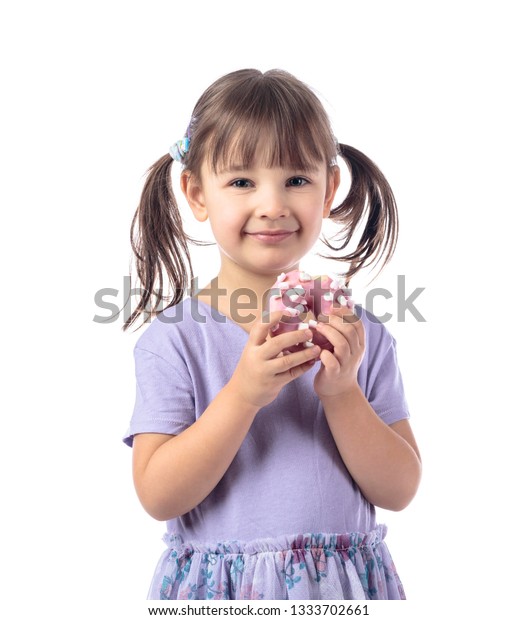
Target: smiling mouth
x,y
274,236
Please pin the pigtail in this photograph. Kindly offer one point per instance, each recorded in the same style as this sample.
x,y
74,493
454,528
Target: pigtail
x,y
370,200
159,244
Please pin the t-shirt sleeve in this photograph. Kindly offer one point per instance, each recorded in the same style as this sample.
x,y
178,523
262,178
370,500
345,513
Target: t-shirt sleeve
x,y
384,384
164,401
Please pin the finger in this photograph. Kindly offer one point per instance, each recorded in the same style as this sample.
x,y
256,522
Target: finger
x,y
297,371
343,319
343,337
360,329
329,362
274,346
351,318
263,325
347,314
287,363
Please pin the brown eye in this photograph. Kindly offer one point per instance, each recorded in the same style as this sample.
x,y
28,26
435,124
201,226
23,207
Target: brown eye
x,y
297,182
241,183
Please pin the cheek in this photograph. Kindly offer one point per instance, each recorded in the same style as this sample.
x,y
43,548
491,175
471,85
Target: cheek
x,y
226,229
313,218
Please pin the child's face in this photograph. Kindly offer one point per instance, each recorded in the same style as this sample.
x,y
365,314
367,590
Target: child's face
x,y
264,219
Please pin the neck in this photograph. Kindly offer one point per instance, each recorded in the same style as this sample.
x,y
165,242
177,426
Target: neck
x,y
239,292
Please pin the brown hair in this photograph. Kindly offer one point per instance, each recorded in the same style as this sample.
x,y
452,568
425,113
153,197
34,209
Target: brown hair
x,y
224,130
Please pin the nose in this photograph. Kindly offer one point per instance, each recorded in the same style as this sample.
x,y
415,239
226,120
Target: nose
x,y
272,203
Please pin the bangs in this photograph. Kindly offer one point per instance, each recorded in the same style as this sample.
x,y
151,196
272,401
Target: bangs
x,y
264,145
269,122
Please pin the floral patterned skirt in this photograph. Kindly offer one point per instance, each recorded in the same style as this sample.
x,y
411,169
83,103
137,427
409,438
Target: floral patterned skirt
x,y
304,567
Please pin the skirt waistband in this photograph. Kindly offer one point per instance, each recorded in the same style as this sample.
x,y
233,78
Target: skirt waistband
x,y
298,542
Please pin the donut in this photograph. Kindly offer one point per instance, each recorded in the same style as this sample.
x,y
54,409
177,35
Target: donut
x,y
304,298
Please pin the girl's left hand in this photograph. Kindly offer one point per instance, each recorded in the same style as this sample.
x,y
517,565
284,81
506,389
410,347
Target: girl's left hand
x,y
339,370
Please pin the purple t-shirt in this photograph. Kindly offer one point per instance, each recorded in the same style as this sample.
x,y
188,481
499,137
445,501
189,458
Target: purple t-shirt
x,y
287,477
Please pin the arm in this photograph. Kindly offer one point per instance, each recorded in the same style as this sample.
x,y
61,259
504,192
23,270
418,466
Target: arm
x,y
383,460
173,474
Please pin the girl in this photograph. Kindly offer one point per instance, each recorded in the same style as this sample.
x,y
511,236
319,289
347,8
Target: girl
x,y
266,467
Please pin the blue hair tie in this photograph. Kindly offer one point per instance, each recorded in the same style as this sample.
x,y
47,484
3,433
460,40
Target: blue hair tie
x,y
179,149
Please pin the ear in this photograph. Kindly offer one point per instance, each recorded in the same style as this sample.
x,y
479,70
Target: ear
x,y
192,190
333,182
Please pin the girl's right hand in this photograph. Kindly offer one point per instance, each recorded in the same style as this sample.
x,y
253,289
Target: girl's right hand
x,y
263,370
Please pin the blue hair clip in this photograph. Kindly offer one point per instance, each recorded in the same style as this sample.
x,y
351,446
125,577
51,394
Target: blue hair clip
x,y
180,149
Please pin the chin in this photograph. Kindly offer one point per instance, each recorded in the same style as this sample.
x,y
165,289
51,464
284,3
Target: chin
x,y
266,269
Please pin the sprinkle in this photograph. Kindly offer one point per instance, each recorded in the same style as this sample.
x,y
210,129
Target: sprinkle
x,y
313,323
328,296
292,311
308,344
281,277
283,285
303,326
304,277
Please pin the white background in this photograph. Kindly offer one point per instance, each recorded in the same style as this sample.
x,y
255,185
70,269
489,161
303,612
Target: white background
x,y
93,93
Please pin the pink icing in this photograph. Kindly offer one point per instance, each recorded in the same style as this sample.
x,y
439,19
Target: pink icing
x,y
300,294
